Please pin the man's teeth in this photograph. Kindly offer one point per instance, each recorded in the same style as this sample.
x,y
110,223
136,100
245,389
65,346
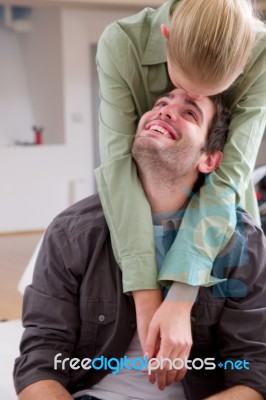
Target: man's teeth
x,y
161,130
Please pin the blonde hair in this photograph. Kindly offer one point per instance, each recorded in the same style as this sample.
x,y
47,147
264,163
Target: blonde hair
x,y
211,40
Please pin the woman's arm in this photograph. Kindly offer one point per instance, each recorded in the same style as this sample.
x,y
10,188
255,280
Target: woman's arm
x,y
210,218
125,206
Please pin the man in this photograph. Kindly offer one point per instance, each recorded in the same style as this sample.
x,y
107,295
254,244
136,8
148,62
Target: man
x,y
75,309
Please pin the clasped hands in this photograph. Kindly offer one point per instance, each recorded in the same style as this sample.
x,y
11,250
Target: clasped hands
x,y
164,329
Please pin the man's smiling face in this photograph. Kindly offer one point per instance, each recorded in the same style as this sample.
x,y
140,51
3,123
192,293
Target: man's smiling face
x,y
174,132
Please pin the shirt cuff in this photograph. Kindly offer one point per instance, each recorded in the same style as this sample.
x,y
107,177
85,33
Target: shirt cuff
x,y
139,273
187,268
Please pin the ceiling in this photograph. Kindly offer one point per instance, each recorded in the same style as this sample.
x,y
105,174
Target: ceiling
x,y
138,4
78,3
133,3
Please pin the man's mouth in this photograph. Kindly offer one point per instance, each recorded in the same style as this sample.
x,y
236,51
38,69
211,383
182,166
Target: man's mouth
x,y
163,129
158,128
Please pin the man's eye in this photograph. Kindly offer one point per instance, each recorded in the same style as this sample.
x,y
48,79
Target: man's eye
x,y
160,104
192,115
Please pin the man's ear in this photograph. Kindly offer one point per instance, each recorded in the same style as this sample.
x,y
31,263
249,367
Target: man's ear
x,y
209,162
164,31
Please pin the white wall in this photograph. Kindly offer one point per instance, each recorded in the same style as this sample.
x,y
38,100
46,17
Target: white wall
x,y
37,182
81,31
15,104
31,80
42,56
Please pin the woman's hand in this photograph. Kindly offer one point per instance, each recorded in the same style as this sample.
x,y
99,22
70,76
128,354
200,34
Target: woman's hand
x,y
170,329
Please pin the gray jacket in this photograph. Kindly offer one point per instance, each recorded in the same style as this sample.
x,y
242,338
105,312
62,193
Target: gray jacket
x,y
76,306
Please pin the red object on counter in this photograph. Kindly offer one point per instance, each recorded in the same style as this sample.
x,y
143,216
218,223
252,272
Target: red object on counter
x,y
38,138
38,133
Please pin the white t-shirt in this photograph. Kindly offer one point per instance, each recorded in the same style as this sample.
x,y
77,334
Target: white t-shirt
x,y
132,384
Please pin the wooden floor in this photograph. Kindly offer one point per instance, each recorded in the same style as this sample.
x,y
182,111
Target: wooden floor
x,y
15,252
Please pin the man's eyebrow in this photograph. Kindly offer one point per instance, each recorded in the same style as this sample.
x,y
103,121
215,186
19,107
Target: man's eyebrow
x,y
193,103
188,101
168,95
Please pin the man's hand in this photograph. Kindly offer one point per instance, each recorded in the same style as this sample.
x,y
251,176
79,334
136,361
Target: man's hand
x,y
237,393
46,389
171,329
147,302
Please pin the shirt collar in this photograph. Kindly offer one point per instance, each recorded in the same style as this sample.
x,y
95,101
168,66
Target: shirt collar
x,y
155,52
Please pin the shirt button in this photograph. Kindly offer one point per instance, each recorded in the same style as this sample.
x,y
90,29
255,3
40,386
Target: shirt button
x,y
101,318
193,319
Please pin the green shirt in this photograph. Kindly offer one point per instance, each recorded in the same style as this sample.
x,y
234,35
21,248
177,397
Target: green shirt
x,y
131,62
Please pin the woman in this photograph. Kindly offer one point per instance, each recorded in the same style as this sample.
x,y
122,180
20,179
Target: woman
x,y
212,46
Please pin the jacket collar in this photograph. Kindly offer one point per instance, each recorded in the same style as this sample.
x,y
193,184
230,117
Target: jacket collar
x,y
155,52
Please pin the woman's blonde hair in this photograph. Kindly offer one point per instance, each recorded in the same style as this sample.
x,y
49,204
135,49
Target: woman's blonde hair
x,y
211,40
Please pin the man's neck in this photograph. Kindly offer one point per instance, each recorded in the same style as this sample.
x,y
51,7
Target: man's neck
x,y
166,196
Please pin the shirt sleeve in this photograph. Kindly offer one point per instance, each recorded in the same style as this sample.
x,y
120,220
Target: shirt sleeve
x,y
50,313
244,309
210,218
124,203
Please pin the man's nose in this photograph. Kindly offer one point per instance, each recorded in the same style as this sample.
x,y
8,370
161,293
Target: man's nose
x,y
170,112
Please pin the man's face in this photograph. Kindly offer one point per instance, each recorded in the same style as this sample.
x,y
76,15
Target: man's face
x,y
172,134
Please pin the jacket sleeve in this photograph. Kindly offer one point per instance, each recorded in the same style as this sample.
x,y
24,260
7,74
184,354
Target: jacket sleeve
x,y
210,218
241,328
50,313
126,209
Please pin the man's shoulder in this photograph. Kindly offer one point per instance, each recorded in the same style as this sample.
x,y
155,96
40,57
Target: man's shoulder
x,y
246,226
247,247
248,235
84,215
